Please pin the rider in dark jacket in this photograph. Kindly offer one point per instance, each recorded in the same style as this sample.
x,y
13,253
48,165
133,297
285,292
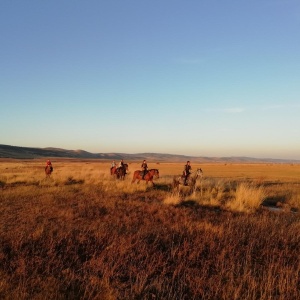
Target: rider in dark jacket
x,y
122,165
187,171
144,168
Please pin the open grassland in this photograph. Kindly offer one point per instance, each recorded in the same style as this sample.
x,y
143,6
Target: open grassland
x,y
82,234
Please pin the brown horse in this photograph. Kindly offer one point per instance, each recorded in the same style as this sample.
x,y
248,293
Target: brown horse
x,y
120,172
48,170
113,170
138,175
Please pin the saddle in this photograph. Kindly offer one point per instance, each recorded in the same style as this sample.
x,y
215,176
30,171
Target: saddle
x,y
185,176
143,174
120,170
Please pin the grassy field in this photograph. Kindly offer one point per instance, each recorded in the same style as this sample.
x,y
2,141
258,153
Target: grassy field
x,y
82,234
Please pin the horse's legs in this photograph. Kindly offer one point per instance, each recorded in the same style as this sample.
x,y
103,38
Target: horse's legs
x,y
134,179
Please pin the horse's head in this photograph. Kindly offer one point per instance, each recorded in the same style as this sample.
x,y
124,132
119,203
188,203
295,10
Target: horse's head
x,y
156,173
126,166
199,172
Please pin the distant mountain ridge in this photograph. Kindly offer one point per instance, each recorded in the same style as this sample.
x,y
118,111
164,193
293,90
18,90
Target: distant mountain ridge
x,y
18,152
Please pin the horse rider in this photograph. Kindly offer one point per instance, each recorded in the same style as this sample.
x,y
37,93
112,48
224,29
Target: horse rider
x,y
144,168
113,165
49,164
121,165
187,171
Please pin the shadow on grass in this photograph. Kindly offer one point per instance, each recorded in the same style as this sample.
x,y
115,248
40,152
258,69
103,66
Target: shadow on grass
x,y
272,183
2,184
272,201
188,203
71,181
15,184
195,205
162,187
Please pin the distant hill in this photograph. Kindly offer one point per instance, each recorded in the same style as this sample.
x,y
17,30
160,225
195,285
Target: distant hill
x,y
15,152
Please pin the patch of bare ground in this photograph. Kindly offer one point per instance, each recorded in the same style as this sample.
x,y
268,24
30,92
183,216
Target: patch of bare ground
x,y
84,235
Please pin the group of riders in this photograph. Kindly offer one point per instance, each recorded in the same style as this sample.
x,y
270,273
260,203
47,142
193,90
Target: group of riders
x,y
121,164
144,168
115,166
185,175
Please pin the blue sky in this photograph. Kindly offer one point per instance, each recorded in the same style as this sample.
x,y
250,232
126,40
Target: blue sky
x,y
203,78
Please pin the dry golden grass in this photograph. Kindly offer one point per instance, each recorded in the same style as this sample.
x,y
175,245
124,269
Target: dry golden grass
x,y
84,235
248,198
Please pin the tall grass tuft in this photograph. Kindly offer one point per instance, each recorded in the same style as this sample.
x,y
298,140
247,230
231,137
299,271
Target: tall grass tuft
x,y
248,198
173,199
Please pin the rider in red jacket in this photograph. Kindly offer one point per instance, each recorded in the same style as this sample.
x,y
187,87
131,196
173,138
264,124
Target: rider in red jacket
x,y
48,163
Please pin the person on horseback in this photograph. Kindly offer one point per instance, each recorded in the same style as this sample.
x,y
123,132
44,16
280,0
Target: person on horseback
x,y
187,171
49,164
144,168
113,165
121,165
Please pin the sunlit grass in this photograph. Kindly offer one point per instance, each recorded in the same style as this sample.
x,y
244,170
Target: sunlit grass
x,y
248,198
173,199
82,234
